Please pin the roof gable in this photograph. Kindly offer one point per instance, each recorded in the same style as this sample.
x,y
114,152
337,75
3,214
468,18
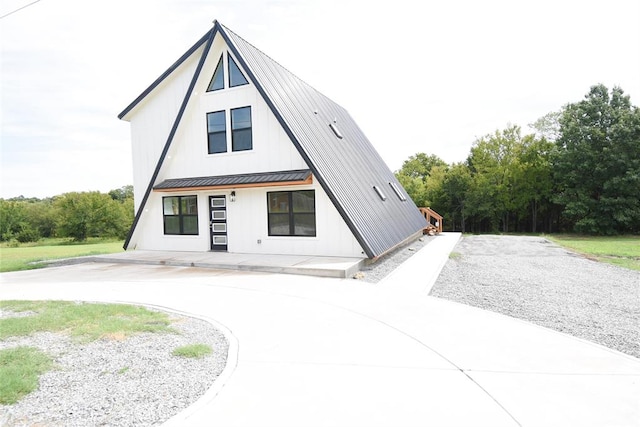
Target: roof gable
x,y
338,153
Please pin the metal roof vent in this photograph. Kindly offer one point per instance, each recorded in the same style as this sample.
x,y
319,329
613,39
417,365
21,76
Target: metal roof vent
x,y
380,193
398,192
335,130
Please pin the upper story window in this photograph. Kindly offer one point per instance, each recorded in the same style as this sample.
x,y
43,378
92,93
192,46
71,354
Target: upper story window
x,y
217,81
241,129
180,214
241,138
236,78
217,131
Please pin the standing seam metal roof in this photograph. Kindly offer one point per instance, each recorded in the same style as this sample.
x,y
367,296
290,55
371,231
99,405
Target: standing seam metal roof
x,y
347,168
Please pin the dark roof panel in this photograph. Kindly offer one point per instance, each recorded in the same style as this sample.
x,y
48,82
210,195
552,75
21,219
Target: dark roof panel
x,y
240,179
348,168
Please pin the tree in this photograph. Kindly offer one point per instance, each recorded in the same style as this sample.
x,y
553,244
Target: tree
x,y
90,214
420,165
414,174
596,163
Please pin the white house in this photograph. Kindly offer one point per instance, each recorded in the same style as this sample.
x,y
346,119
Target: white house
x,y
232,152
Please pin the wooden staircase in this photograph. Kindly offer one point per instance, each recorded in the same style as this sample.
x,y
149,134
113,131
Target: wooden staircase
x,y
434,219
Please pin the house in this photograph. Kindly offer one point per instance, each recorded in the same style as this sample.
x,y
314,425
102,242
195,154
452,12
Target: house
x,y
232,152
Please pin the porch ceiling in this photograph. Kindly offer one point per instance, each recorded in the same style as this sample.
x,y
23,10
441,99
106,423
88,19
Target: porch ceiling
x,y
247,180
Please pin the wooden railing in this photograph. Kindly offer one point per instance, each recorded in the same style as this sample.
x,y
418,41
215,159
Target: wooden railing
x,y
434,219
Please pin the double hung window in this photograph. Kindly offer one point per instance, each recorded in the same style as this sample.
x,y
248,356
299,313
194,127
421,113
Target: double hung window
x,y
241,129
180,215
241,138
217,131
292,213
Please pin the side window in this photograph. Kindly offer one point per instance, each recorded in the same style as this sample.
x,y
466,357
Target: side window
x,y
241,139
217,131
292,213
180,215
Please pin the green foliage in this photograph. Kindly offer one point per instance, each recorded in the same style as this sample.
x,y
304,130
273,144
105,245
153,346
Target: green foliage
x,y
75,215
597,163
579,171
87,322
194,351
20,368
415,173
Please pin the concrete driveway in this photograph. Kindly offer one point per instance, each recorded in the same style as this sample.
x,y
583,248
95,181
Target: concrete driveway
x,y
337,352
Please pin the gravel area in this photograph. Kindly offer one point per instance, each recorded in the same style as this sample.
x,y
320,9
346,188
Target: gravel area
x,y
533,279
118,382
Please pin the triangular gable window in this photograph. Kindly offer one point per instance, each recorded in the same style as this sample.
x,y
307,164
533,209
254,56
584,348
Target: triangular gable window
x,y
236,78
217,82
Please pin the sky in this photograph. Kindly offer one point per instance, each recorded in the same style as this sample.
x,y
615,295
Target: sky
x,y
417,76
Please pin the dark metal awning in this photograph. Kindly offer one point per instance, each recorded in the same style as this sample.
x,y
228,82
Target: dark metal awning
x,y
246,180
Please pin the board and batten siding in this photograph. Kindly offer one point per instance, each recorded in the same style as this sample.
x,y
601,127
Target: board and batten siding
x,y
247,225
151,123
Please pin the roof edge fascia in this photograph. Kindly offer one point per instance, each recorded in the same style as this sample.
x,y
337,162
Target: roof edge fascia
x,y
164,75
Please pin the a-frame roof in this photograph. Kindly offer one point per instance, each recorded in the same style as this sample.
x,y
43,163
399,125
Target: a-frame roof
x,y
338,153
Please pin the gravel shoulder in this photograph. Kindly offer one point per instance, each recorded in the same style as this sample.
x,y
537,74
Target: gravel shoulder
x,y
133,381
533,279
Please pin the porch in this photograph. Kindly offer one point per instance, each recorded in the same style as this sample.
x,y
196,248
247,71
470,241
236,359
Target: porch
x,y
336,267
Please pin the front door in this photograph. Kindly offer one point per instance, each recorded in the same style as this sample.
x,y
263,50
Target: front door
x,y
218,222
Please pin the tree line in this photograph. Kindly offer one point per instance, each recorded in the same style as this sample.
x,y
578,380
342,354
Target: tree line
x,y
579,171
74,215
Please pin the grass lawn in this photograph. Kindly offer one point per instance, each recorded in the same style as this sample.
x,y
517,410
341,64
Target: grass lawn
x,y
26,255
623,251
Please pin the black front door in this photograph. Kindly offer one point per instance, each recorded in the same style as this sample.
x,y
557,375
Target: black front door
x,y
218,222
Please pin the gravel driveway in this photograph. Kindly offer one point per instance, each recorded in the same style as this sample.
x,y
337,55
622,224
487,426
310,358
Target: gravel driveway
x,y
532,279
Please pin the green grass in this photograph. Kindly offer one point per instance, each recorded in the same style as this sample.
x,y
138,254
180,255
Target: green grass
x,y
84,321
27,256
193,351
623,251
20,369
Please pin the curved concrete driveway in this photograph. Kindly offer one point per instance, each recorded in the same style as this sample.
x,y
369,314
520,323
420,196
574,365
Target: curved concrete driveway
x,y
330,352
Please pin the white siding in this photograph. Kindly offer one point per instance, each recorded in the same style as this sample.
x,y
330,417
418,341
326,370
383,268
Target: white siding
x,y
151,122
247,224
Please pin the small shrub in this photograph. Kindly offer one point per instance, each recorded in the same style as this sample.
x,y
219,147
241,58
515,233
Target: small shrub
x,y
194,351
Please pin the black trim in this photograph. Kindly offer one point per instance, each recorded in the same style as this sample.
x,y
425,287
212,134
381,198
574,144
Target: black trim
x,y
174,128
164,75
290,214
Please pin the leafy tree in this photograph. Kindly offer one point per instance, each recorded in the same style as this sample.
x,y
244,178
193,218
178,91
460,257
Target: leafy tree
x,y
123,193
12,219
548,126
596,163
90,214
414,174
420,165
453,196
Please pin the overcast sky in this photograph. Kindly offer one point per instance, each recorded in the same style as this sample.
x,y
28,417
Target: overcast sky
x,y
417,76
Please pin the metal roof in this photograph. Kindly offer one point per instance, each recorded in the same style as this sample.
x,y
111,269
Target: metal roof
x,y
246,179
342,159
